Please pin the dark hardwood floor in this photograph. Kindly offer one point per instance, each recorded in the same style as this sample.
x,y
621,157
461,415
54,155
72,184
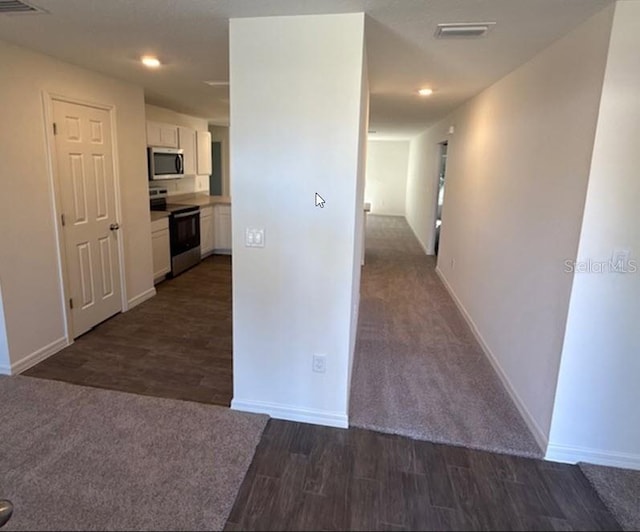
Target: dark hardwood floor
x,y
307,477
176,345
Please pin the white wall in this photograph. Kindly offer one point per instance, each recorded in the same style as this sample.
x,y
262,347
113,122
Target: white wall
x,y
296,96
189,184
168,116
386,181
517,173
596,417
29,255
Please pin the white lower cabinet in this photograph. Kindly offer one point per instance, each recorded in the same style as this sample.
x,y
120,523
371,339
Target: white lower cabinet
x,y
161,249
222,216
207,231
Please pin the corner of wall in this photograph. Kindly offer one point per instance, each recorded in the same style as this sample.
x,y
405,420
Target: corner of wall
x,y
292,413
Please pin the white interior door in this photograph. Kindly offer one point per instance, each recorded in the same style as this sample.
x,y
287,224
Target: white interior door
x,y
84,156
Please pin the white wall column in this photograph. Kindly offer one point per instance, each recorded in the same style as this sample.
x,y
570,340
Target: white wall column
x,y
296,127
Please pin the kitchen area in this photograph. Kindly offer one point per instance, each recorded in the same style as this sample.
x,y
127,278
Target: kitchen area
x,y
187,223
178,343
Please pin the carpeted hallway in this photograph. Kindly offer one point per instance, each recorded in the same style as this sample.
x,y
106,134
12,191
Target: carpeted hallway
x,y
418,370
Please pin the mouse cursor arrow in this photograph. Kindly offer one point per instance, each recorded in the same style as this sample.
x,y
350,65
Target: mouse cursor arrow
x,y
319,201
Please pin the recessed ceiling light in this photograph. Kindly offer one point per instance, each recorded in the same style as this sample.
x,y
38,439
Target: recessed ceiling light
x,y
425,92
150,61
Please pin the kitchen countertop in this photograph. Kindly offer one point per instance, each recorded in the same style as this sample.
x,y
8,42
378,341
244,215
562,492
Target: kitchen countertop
x,y
201,200
158,215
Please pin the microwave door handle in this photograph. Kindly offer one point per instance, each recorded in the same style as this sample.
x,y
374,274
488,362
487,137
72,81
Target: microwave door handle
x,y
178,164
152,166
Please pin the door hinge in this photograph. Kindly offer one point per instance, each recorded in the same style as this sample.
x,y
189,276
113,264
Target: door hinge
x,y
55,128
63,220
71,303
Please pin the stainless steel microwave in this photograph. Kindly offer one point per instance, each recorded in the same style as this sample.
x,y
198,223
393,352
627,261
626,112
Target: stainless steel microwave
x,y
165,163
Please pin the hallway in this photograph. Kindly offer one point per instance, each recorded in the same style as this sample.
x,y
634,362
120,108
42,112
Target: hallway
x,y
418,370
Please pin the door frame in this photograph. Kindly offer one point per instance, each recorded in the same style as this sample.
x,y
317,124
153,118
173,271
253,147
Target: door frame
x,y
48,99
436,189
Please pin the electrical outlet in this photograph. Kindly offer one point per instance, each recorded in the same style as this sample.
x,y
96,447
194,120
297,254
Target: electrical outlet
x,y
319,363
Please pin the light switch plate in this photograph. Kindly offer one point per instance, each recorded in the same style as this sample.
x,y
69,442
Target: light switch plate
x,y
254,238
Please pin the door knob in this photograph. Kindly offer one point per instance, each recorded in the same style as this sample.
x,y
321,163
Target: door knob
x,y
114,227
6,509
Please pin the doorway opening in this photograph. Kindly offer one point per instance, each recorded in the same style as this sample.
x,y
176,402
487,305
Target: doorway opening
x,y
442,172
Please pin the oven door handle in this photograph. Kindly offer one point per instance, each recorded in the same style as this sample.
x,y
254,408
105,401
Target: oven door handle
x,y
186,214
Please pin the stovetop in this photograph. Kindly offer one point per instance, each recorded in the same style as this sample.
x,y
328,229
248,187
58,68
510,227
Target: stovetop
x,y
159,203
176,207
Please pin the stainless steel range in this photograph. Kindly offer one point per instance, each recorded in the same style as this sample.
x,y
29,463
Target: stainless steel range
x,y
184,230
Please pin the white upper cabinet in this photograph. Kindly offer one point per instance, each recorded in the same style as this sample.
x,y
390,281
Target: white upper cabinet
x,y
162,135
187,142
204,153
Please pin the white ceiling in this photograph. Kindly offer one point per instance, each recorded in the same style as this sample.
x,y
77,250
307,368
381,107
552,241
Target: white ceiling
x,y
191,38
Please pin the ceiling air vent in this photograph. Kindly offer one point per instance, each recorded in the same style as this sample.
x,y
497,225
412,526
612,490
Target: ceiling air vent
x,y
15,7
463,29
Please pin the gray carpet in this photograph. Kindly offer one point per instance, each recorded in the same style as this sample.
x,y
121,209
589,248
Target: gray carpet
x,y
418,369
78,458
619,489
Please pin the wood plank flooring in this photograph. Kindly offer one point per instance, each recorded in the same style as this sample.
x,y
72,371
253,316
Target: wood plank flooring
x,y
177,345
307,477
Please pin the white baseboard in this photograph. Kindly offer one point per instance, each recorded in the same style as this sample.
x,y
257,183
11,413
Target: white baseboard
x,y
35,357
572,455
141,298
289,413
422,244
541,438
